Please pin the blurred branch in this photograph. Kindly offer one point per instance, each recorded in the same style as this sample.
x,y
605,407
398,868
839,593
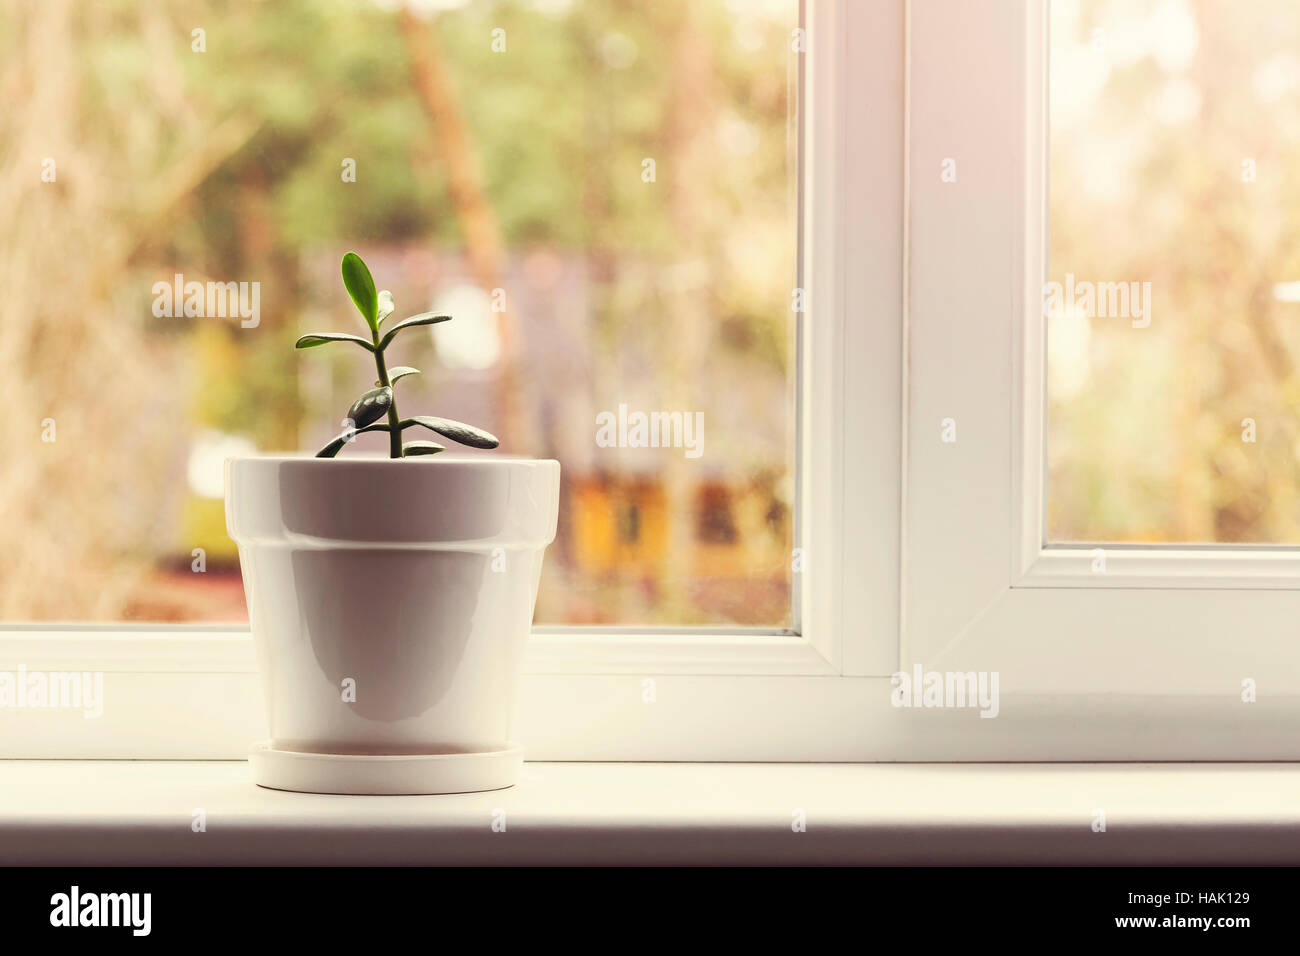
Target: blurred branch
x,y
483,244
179,182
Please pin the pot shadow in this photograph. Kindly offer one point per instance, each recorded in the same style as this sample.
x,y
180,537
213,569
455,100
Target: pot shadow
x,y
397,622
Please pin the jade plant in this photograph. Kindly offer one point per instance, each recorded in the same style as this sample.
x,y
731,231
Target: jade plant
x,y
381,401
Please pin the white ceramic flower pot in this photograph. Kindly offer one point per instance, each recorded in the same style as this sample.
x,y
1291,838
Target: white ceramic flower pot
x,y
390,603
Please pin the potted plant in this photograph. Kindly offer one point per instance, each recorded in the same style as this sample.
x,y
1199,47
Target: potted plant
x,y
390,598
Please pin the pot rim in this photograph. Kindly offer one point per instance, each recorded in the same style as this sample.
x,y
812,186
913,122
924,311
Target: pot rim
x,y
478,501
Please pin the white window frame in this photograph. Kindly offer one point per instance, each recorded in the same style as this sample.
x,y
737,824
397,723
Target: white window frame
x,y
1155,649
917,552
720,694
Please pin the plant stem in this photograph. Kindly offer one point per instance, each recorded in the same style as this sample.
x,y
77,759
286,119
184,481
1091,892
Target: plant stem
x,y
394,429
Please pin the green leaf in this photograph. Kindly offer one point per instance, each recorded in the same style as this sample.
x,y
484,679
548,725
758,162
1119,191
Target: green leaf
x,y
424,318
334,447
320,338
386,307
371,406
399,372
361,286
456,431
413,448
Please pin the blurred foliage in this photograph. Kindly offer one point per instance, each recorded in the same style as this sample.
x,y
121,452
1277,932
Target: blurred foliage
x,y
225,165
1175,131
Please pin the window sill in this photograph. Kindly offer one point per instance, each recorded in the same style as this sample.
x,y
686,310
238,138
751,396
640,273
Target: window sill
x,y
140,813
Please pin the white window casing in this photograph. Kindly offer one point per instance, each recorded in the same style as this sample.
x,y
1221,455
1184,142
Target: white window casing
x,y
923,304
725,694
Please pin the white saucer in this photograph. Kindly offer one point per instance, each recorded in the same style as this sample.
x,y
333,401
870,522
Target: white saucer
x,y
386,774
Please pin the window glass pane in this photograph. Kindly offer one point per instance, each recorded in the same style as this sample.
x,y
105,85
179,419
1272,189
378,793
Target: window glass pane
x,y
602,193
1174,295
